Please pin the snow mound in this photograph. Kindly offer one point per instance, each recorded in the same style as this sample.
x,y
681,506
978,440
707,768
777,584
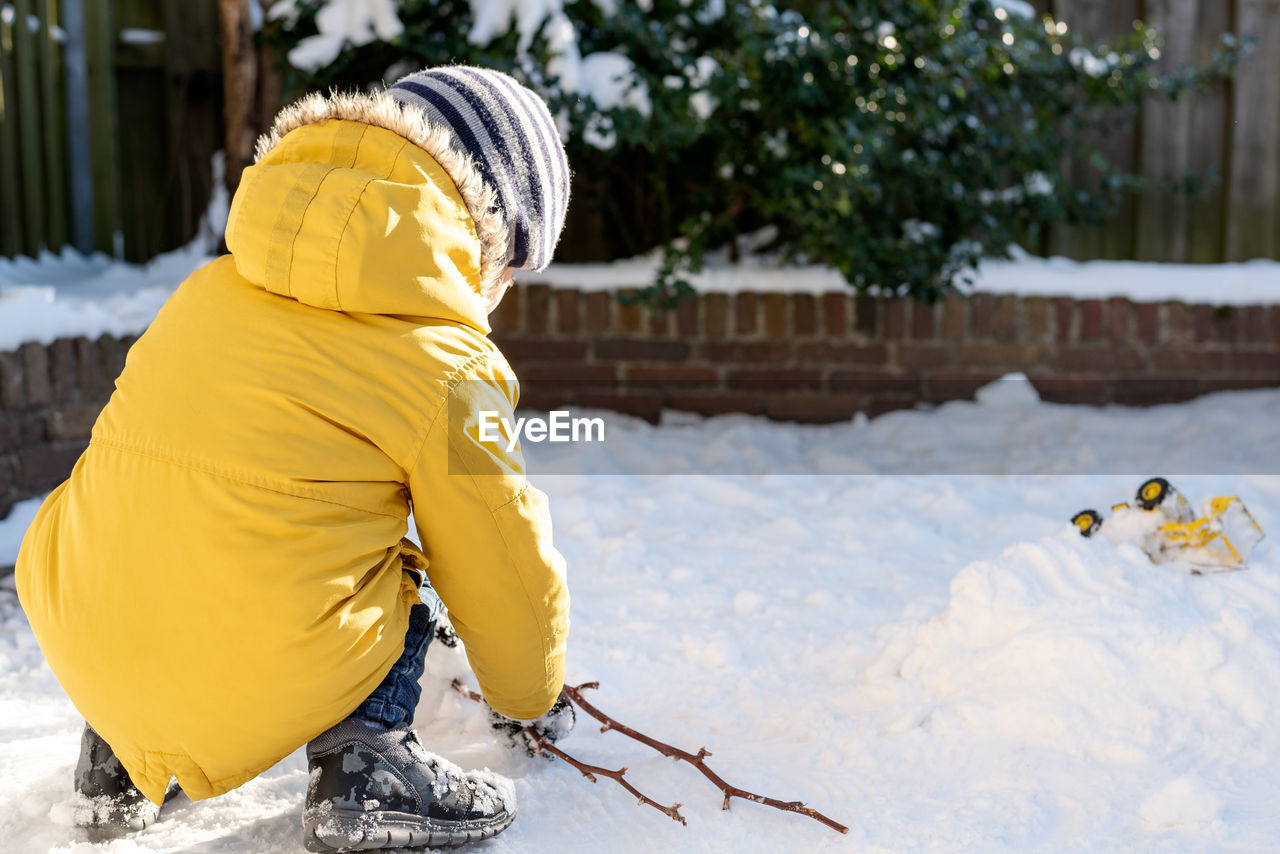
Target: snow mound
x,y
1087,656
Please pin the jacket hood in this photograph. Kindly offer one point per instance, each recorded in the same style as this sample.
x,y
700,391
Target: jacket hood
x,y
359,204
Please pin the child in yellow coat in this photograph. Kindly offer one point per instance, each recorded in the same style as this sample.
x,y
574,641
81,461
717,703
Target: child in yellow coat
x,y
224,576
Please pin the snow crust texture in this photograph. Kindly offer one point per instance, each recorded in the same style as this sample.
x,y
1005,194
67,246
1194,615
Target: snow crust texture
x,y
939,661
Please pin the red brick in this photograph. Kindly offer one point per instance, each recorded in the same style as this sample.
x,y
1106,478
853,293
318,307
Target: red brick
x,y
35,371
877,406
836,309
729,352
1253,324
567,311
954,316
1224,324
773,379
63,373
811,408
911,355
923,320
875,382
716,308
111,356
939,387
74,422
775,315
1177,322
43,467
12,382
540,349
804,308
1007,356
1256,362
659,322
1147,316
538,308
685,376
1152,390
745,310
1078,358
630,315
646,406
89,371
1035,318
506,317
1005,322
1090,319
866,315
1208,384
562,375
709,404
1274,323
1202,322
895,321
639,349
823,352
1118,319
599,311
1064,311
687,317
1185,359
1066,388
981,315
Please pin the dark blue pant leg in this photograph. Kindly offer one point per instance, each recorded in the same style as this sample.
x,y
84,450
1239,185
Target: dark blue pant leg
x,y
392,703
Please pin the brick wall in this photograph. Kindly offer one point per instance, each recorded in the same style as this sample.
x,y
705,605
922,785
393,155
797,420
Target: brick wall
x,y
785,356
823,358
49,399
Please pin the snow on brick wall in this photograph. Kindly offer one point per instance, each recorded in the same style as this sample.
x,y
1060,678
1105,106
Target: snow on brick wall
x,y
794,356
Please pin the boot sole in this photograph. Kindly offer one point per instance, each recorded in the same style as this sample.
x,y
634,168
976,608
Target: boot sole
x,y
348,830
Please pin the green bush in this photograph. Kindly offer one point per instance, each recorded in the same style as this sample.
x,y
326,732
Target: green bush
x,y
898,142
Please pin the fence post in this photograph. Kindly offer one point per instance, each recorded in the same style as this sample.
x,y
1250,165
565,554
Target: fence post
x,y
29,124
79,154
54,128
10,183
100,131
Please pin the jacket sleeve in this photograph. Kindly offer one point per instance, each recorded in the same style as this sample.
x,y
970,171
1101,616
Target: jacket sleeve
x,y
486,533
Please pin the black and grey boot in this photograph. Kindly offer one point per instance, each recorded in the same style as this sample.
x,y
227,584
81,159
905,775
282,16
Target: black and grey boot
x,y
110,805
374,788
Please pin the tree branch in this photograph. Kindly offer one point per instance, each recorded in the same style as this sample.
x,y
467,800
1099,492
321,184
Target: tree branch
x,y
588,771
696,760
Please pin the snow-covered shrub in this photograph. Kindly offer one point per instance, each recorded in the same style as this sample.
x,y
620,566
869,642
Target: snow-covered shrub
x,y
896,140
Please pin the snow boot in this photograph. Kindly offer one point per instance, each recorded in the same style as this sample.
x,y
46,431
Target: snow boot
x,y
374,788
110,805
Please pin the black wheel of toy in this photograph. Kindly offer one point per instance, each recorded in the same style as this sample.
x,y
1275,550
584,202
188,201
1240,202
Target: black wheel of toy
x,y
1153,492
1087,522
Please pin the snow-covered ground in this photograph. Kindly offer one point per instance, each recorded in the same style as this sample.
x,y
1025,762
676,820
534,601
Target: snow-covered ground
x,y
935,658
68,295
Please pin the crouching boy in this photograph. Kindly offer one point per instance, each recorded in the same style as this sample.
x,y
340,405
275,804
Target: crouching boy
x,y
224,577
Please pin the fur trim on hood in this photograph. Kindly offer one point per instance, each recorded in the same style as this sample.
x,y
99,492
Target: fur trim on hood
x,y
381,110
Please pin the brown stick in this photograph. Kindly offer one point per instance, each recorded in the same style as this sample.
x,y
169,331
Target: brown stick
x,y
588,771
575,694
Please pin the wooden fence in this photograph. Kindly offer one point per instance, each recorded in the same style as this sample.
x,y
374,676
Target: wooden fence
x,y
109,118
137,81
1232,132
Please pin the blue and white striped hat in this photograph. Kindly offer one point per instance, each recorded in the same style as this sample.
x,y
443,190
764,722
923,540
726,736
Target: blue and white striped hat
x,y
513,142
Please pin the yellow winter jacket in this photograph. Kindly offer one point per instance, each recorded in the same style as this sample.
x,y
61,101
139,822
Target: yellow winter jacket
x,y
223,576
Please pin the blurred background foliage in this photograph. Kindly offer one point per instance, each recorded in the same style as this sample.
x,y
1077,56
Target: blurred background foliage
x,y
898,142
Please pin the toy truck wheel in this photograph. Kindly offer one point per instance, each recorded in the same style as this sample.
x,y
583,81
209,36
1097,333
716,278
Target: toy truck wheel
x,y
1152,493
1087,522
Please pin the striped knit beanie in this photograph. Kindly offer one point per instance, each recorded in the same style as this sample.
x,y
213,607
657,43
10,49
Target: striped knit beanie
x,y
512,141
